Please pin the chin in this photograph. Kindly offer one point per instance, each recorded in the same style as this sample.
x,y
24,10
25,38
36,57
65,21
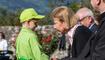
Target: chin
x,y
96,9
62,32
32,29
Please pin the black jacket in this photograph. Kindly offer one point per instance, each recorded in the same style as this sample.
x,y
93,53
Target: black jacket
x,y
95,48
80,39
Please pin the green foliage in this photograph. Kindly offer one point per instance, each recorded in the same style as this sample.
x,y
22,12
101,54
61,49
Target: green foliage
x,y
47,20
75,5
9,18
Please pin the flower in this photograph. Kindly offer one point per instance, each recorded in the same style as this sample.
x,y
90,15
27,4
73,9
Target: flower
x,y
42,41
47,31
48,40
16,23
13,42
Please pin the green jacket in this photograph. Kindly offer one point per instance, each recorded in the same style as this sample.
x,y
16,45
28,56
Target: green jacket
x,y
27,46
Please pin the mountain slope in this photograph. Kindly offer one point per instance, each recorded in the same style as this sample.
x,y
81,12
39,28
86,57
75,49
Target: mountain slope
x,y
41,6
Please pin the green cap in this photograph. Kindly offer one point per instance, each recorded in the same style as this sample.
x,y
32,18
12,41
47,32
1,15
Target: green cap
x,y
28,14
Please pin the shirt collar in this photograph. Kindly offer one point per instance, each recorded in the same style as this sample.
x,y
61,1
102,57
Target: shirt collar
x,y
1,39
91,26
26,29
102,12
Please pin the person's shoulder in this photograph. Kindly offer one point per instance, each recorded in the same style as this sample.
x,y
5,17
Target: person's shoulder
x,y
82,28
4,40
32,35
27,33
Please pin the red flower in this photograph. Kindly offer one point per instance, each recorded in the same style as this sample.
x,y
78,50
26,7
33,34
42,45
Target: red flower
x,y
42,41
47,31
48,39
17,23
51,58
13,42
54,31
49,36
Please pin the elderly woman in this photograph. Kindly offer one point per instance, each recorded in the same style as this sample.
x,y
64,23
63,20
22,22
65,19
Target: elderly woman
x,y
77,34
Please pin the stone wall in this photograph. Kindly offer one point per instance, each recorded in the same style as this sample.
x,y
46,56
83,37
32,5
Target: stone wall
x,y
10,32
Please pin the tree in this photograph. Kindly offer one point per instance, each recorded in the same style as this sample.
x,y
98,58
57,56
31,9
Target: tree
x,y
9,18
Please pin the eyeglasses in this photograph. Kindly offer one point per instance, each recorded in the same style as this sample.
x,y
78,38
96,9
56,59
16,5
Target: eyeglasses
x,y
35,22
83,18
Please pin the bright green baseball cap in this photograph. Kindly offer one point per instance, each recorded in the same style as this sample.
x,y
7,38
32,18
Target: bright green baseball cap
x,y
28,14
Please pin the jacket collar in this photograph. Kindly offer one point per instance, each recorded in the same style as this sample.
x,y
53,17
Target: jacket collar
x,y
102,17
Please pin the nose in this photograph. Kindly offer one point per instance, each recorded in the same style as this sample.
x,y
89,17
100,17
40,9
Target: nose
x,y
36,24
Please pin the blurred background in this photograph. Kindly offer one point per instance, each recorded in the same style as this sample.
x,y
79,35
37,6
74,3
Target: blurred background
x,y
9,21
11,9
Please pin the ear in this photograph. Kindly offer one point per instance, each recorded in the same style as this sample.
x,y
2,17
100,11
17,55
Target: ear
x,y
98,2
90,19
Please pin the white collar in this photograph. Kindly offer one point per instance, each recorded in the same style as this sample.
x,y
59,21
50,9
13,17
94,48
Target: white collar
x,y
2,40
102,12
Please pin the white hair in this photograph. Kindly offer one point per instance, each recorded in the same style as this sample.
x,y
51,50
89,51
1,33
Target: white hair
x,y
86,12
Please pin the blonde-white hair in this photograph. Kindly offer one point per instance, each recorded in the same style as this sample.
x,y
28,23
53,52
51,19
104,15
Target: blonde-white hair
x,y
65,14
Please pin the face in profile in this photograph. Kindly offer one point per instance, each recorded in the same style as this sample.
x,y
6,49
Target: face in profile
x,y
59,25
87,21
32,24
93,3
